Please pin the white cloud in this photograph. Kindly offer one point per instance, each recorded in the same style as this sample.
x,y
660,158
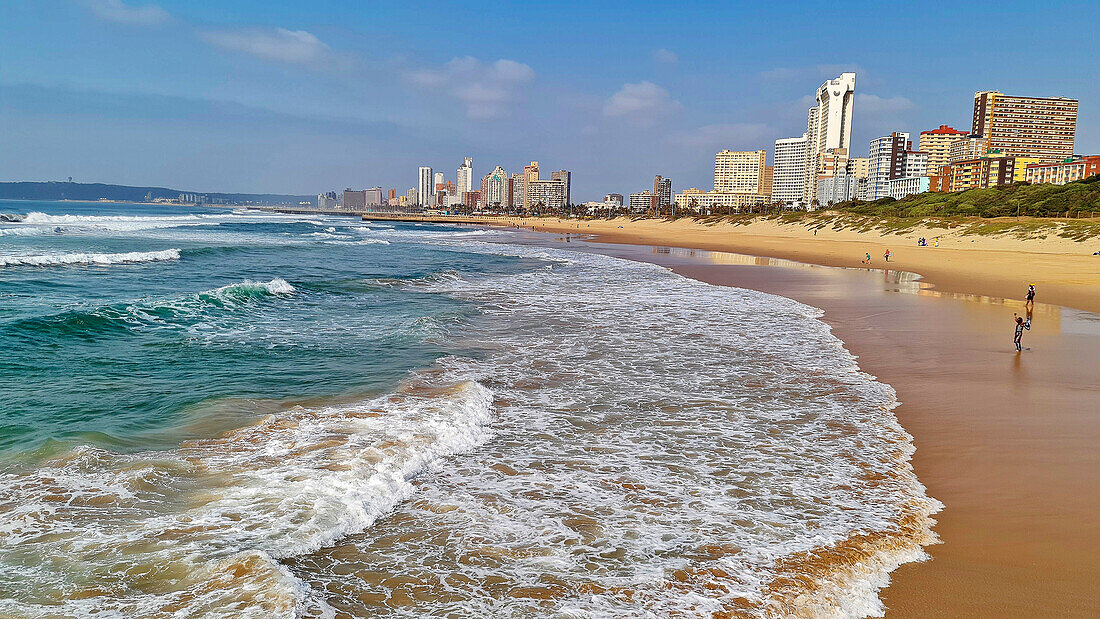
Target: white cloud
x,y
118,11
487,90
642,103
742,136
664,56
874,104
291,46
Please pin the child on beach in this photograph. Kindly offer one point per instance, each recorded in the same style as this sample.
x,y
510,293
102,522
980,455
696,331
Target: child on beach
x,y
887,255
1020,326
868,259
1030,301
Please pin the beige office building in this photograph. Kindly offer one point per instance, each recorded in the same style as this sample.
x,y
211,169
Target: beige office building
x,y
740,171
1040,127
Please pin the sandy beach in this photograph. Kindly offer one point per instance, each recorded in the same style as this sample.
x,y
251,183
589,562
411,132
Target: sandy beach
x,y
1006,441
1064,271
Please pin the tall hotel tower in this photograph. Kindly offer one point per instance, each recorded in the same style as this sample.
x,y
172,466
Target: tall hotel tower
x,y
828,126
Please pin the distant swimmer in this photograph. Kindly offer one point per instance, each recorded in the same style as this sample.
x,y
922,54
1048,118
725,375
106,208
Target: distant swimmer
x,y
1030,299
1020,326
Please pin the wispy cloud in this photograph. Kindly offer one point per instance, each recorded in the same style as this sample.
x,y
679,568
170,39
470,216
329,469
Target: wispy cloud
x,y
664,56
120,12
487,90
874,104
643,103
280,45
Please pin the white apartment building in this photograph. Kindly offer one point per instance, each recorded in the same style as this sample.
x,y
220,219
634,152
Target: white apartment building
x,y
789,170
740,171
425,188
838,188
908,186
886,161
916,163
464,178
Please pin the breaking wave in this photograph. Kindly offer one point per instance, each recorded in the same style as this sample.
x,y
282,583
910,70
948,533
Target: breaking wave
x,y
59,259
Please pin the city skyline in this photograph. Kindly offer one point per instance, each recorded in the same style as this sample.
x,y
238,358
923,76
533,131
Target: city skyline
x,y
283,100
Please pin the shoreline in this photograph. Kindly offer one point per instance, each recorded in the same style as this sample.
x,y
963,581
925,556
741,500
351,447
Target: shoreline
x,y
1005,441
1064,271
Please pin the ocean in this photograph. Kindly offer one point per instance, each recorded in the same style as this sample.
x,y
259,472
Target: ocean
x,y
228,413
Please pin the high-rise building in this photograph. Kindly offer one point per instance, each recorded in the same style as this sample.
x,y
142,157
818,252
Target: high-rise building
x,y
614,197
438,179
641,201
967,147
828,126
766,182
937,143
661,194
740,171
326,201
410,196
566,177
355,200
464,178
373,196
887,161
1040,127
859,167
545,194
789,171
519,190
425,189
916,163
393,194
496,189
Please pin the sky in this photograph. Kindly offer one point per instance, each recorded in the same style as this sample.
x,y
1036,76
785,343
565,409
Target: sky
x,y
306,97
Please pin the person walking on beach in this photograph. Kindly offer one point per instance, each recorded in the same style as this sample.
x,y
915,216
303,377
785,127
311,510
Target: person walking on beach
x,y
887,255
868,260
1020,326
1030,302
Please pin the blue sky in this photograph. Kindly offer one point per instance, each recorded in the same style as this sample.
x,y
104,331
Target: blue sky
x,y
314,96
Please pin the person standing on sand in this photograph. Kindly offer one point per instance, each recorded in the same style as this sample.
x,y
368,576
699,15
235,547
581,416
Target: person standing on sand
x,y
887,255
1020,326
1030,302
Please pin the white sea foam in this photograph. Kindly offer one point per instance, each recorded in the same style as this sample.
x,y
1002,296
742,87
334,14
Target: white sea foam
x,y
59,259
665,447
293,483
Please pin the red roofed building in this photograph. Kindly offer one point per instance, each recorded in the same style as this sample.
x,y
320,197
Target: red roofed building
x,y
937,143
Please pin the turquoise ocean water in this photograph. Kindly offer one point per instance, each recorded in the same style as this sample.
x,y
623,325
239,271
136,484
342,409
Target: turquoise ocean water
x,y
213,412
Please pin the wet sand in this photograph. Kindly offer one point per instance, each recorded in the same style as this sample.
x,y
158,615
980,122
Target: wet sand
x,y
1064,271
1010,443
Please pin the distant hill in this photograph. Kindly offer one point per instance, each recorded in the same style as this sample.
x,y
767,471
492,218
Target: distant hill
x,y
95,191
